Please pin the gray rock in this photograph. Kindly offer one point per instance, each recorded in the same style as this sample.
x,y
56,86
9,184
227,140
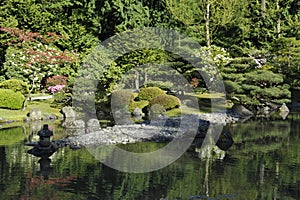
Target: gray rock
x,y
75,132
73,124
68,112
284,108
122,117
241,110
283,111
138,112
35,114
92,125
35,126
26,119
52,116
46,117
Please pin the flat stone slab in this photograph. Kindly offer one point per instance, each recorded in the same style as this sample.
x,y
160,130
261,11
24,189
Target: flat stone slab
x,y
40,97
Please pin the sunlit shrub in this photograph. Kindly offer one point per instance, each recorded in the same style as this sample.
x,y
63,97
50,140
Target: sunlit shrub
x,y
149,93
15,85
10,99
168,102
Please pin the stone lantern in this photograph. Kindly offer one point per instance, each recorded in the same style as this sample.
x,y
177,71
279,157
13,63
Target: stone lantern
x,y
45,135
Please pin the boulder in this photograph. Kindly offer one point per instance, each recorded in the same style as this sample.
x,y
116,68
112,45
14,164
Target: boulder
x,y
283,108
68,112
35,114
241,110
35,126
283,111
122,117
138,113
92,125
52,116
73,124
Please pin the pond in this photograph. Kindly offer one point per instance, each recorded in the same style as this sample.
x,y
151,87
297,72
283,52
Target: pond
x,y
263,163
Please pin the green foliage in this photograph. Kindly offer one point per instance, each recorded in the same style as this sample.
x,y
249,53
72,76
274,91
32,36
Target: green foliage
x,y
232,87
10,99
253,86
168,102
287,59
263,78
15,85
62,99
236,26
33,61
120,15
149,93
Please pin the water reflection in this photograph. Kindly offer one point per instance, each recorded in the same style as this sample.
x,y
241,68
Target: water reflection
x,y
45,168
262,163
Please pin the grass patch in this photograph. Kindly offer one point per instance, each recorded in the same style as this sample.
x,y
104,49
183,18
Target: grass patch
x,y
19,115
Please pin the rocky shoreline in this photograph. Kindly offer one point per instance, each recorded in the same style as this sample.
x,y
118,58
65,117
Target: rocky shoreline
x,y
164,129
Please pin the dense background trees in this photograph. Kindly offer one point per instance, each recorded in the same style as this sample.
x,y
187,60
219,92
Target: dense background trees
x,y
265,31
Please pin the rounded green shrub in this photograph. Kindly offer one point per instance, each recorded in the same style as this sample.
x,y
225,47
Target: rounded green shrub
x,y
15,85
167,101
10,99
149,93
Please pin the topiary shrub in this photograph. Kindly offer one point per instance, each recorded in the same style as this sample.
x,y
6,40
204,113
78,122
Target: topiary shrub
x,y
167,101
149,93
15,85
10,99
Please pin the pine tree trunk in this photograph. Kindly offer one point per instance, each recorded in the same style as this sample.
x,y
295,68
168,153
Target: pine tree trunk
x,y
207,18
263,15
263,10
278,20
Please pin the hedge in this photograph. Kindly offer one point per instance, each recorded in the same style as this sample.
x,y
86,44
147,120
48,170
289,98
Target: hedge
x,y
10,99
149,93
167,101
15,85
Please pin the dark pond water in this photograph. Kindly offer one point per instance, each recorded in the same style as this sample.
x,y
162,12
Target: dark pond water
x,y
263,163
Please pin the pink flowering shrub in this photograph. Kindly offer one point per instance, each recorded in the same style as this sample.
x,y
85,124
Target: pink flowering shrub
x,y
56,88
